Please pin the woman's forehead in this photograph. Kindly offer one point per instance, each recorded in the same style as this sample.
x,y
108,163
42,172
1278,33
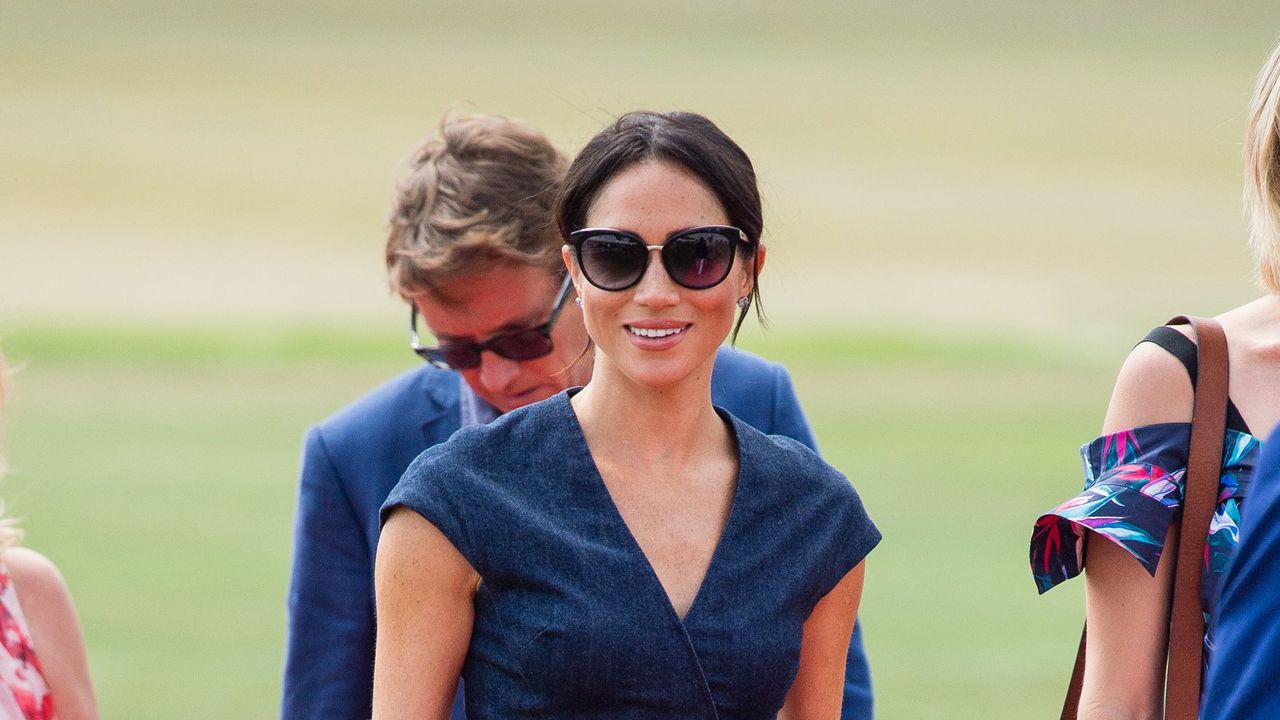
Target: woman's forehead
x,y
655,198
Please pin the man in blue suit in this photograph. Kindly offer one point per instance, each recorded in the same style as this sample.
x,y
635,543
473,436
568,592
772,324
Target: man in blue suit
x,y
1244,673
473,249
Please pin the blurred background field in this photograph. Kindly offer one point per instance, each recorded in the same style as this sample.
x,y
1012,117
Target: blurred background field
x,y
974,209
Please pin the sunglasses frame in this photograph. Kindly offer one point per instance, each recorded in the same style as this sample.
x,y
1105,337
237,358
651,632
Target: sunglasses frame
x,y
736,238
435,355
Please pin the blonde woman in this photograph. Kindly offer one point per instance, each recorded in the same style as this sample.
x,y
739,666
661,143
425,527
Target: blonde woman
x,y
1134,471
44,673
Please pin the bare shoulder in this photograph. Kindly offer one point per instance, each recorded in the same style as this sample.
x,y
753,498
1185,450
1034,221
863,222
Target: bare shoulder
x,y
36,579
55,631
1152,387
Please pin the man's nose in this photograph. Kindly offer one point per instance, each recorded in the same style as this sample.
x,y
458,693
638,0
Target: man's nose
x,y
496,372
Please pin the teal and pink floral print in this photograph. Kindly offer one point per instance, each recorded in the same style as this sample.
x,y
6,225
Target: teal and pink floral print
x,y
1132,492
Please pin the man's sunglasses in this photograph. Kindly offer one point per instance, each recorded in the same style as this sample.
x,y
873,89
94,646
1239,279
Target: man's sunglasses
x,y
518,345
697,258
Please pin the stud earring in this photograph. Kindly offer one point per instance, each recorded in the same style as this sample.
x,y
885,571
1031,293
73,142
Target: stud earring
x,y
578,300
744,301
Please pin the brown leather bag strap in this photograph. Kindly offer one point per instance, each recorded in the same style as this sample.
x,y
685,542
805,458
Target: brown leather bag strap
x,y
1200,499
1072,703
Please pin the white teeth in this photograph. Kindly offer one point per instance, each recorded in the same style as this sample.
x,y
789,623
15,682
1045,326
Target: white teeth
x,y
654,332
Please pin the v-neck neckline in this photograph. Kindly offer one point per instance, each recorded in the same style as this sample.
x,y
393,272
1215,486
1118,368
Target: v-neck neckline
x,y
599,486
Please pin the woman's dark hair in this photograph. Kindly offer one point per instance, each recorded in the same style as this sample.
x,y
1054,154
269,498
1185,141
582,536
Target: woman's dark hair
x,y
687,140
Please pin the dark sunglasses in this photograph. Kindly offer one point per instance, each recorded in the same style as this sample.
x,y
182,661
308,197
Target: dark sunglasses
x,y
518,345
697,258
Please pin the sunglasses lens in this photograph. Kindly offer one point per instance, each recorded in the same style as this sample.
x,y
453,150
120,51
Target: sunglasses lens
x,y
611,261
524,345
698,259
458,357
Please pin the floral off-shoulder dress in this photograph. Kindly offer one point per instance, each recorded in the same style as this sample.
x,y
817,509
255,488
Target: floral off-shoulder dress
x,y
24,692
1133,489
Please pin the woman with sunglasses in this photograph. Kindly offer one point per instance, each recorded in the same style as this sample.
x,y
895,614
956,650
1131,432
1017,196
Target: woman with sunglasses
x,y
628,550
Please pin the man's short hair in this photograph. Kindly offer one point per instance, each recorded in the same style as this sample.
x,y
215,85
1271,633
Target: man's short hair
x,y
479,192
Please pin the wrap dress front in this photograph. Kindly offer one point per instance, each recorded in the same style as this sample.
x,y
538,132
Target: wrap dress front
x,y
570,619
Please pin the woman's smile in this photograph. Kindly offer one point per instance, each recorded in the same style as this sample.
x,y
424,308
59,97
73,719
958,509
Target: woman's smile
x,y
657,329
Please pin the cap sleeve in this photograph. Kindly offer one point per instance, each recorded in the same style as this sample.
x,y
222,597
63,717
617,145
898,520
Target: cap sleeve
x,y
825,520
858,536
435,487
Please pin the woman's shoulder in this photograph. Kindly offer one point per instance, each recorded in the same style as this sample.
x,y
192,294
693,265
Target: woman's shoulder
x,y
773,448
498,460
823,518
51,619
36,579
509,439
801,469
1157,380
42,593
1152,387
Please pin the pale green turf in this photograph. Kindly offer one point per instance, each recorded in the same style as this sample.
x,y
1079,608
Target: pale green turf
x,y
184,180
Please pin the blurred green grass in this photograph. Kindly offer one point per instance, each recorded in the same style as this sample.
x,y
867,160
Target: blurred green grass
x,y
973,210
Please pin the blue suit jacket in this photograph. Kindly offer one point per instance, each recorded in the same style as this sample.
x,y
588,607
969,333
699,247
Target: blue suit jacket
x,y
350,463
1244,673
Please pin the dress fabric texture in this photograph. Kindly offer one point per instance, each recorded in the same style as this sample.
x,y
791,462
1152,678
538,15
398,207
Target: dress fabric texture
x,y
24,692
570,619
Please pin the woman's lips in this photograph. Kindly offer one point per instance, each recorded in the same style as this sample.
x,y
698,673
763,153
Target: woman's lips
x,y
654,332
657,335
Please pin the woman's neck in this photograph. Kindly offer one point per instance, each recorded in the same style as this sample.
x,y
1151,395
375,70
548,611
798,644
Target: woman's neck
x,y
666,425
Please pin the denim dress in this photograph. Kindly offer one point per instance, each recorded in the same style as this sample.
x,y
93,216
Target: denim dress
x,y
570,619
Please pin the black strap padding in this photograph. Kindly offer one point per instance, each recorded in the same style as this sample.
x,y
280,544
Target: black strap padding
x,y
1181,347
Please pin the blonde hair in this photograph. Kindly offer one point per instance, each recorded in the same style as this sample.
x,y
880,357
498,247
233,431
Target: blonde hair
x,y
480,191
1262,172
10,534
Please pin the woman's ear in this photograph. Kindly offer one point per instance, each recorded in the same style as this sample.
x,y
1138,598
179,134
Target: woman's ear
x,y
571,265
749,277
566,254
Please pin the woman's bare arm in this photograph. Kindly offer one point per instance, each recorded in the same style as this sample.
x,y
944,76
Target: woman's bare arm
x,y
1127,609
55,632
424,593
818,689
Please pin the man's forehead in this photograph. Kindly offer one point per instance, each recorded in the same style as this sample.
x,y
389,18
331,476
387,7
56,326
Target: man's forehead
x,y
509,278
481,309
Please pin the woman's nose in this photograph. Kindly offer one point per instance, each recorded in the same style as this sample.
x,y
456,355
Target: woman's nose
x,y
656,288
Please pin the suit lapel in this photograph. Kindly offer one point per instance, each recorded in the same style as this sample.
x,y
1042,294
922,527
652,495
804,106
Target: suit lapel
x,y
438,411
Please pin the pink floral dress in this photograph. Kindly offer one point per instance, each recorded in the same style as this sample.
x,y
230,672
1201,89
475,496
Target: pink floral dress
x,y
24,692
